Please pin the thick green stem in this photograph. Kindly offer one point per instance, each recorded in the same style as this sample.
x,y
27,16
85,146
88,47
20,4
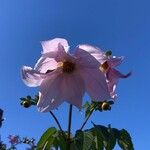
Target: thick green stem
x,y
69,125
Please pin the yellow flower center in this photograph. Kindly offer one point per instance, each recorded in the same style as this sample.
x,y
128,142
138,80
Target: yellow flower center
x,y
68,67
104,66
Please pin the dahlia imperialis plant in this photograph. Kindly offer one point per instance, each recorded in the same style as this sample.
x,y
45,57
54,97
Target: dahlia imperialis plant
x,y
62,76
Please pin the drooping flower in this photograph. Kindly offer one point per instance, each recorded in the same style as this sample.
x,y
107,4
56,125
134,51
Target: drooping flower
x,y
108,64
14,139
65,77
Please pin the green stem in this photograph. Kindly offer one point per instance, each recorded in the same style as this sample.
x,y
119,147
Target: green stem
x,y
84,123
57,122
69,125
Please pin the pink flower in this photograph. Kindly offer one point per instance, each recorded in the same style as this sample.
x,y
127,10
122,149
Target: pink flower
x,y
13,139
65,77
108,64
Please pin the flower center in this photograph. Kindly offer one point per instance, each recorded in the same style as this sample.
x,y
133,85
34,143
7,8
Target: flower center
x,y
68,67
104,66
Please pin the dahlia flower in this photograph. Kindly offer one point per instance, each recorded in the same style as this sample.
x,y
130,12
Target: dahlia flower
x,y
62,76
108,64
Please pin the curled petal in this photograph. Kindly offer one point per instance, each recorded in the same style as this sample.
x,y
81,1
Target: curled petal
x,y
32,77
50,97
52,45
85,59
113,74
115,61
72,89
95,83
94,51
45,63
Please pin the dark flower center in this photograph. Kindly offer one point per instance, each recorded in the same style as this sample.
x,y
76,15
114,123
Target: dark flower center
x,y
104,66
68,67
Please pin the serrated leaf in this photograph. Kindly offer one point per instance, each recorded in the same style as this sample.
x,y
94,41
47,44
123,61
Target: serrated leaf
x,y
125,141
88,140
46,140
107,135
98,139
84,140
102,131
111,140
60,141
79,136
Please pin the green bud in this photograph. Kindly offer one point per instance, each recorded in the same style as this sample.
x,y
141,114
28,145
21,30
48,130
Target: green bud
x,y
105,106
26,103
108,53
29,97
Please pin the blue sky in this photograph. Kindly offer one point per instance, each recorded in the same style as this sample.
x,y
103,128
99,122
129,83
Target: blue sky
x,y
122,26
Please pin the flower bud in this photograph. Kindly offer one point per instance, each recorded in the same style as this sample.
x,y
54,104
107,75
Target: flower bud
x,y
108,53
26,103
105,106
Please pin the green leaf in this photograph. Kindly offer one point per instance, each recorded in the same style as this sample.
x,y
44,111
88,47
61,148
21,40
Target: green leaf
x,y
106,135
84,140
98,139
79,136
60,141
111,102
111,142
88,140
29,97
46,140
86,105
124,140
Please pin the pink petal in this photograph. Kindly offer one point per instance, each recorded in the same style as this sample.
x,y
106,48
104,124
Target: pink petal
x,y
112,88
113,76
96,85
72,89
45,63
50,97
52,45
85,59
94,51
114,61
62,55
32,77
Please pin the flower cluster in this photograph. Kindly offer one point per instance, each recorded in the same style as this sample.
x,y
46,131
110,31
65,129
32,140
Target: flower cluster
x,y
62,76
14,139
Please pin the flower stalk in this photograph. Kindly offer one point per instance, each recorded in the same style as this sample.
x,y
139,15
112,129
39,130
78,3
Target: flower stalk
x,y
57,122
84,123
69,125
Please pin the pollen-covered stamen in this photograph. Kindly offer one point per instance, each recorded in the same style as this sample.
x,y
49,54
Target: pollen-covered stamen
x,y
68,67
104,66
